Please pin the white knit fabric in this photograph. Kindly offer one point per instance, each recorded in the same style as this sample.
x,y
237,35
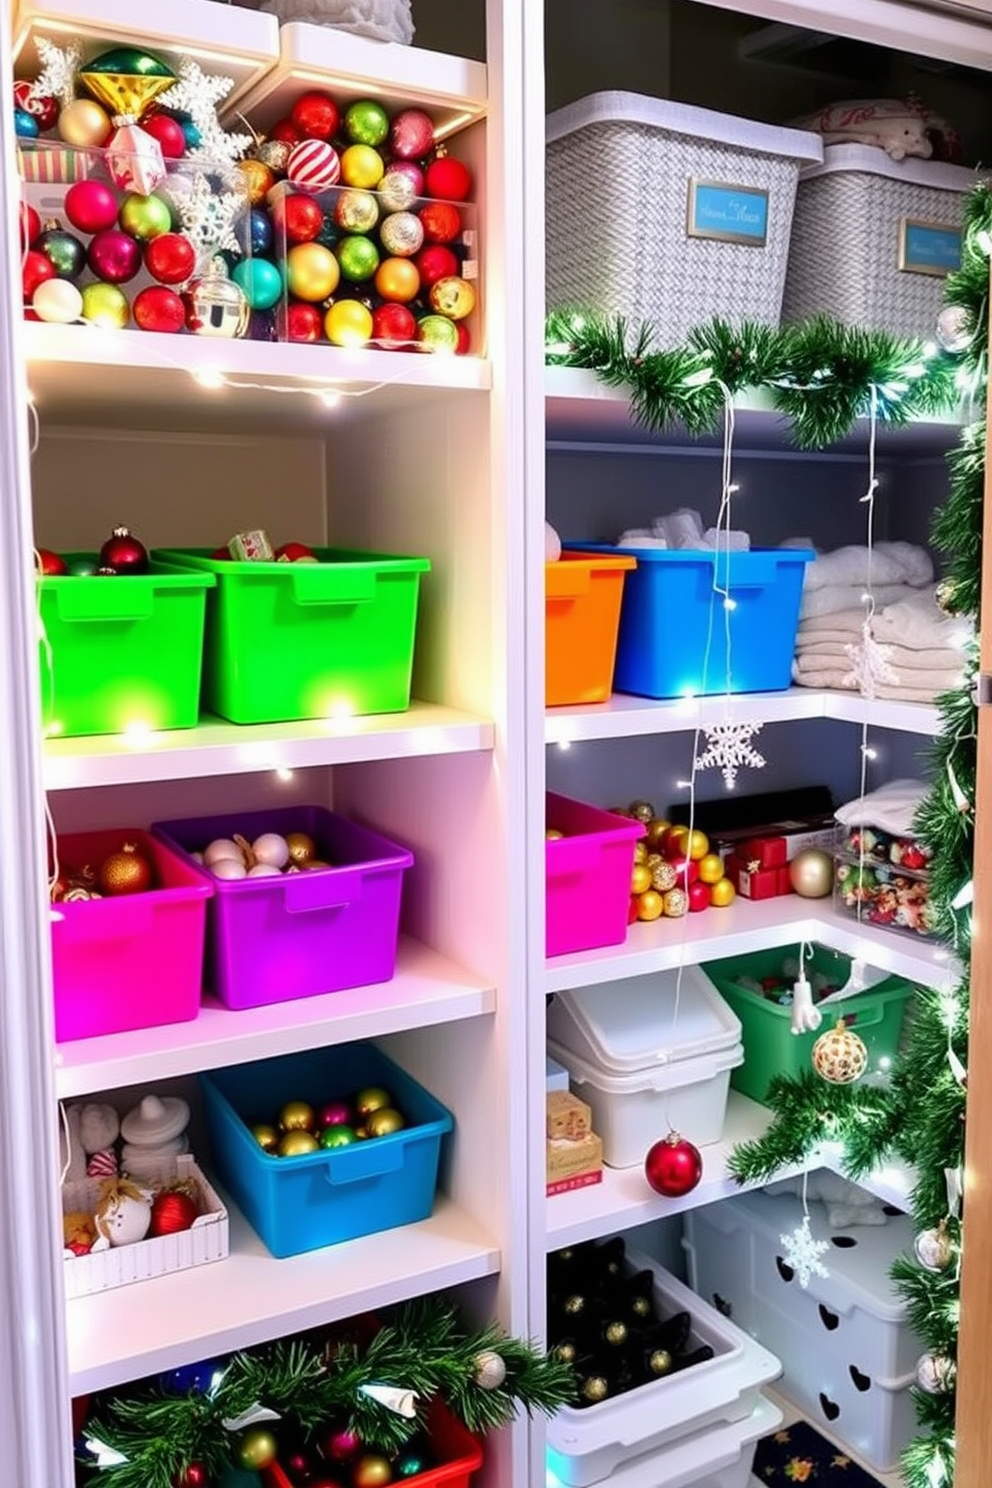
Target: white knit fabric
x,y
385,20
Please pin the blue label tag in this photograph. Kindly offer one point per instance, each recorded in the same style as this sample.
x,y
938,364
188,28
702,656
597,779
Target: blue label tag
x,y
929,248
731,214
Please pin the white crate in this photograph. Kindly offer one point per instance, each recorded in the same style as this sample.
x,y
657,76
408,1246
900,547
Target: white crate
x,y
588,1445
851,257
112,1266
847,1350
660,211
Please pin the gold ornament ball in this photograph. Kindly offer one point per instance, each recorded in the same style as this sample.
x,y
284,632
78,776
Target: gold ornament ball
x,y
710,868
595,1389
258,179
640,879
565,1353
84,123
371,1471
490,1370
266,1136
697,846
397,279
312,272
722,893
125,872
659,1361
664,876
302,848
839,1055
362,166
453,297
676,903
811,873
384,1123
297,1144
642,811
641,1307
616,1333
657,828
348,323
640,851
356,211
274,154
372,1098
297,1116
944,596
650,906
256,1450
574,1305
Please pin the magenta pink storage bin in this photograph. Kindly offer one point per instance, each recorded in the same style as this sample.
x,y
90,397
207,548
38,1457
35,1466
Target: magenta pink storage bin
x,y
278,939
588,875
134,961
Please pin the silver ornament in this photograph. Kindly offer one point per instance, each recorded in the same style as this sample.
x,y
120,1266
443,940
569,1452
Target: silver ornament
x,y
215,305
934,1249
402,234
955,329
397,191
274,154
936,1374
490,1371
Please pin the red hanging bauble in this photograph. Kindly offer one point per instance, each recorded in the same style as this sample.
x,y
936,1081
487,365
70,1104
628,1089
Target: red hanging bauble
x,y
285,132
394,327
436,262
168,132
159,309
50,564
301,216
124,553
304,322
36,267
673,1167
441,222
194,1476
448,179
172,1212
315,116
170,258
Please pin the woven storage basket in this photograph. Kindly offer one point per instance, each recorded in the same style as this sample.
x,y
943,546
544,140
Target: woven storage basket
x,y
849,239
620,175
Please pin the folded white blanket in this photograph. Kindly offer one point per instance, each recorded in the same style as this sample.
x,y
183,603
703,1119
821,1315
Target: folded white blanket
x,y
835,679
851,621
916,562
920,624
891,808
851,566
833,597
900,658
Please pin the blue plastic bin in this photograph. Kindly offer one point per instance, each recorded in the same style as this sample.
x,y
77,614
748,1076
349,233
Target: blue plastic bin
x,y
303,1203
665,621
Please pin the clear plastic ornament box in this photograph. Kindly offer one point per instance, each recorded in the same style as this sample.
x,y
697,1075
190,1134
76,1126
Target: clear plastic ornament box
x,y
207,1240
586,1445
460,1455
657,211
48,168
873,238
847,1349
884,895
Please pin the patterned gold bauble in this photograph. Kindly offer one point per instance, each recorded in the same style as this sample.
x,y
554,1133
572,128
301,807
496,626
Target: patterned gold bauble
x,y
259,179
676,903
490,1370
615,1333
642,811
297,1144
659,1361
274,154
574,1305
839,1055
453,297
595,1389
301,848
664,876
266,1136
297,1115
125,872
356,211
372,1098
565,1352
384,1122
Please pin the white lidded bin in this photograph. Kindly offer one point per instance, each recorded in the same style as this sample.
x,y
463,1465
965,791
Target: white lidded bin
x,y
586,1445
657,211
648,1056
873,239
848,1352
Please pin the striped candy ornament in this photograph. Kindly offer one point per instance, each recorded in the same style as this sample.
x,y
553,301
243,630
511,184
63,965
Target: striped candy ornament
x,y
313,165
102,1164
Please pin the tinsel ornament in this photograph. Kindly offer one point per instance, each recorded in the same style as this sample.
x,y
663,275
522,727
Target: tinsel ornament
x,y
490,1370
356,211
936,1373
839,1055
934,1249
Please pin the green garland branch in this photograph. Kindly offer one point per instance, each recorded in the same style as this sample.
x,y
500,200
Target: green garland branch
x,y
150,1436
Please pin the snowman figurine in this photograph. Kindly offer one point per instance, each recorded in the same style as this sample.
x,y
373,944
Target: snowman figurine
x,y
124,1212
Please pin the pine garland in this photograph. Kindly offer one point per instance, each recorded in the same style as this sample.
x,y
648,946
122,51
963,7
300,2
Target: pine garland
x,y
149,1436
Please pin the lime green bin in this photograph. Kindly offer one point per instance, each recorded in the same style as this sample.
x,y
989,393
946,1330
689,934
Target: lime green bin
x,y
122,654
287,641
770,1046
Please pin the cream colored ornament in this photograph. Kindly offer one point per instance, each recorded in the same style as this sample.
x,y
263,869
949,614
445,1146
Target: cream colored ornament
x,y
124,1212
811,873
839,1055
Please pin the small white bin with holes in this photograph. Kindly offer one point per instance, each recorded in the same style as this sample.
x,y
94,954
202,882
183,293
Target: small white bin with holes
x,y
648,1055
586,1445
848,1353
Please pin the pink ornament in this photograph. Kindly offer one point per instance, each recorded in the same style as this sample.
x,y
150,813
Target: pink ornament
x,y
412,134
313,165
135,160
335,1113
91,206
339,1446
102,1164
114,257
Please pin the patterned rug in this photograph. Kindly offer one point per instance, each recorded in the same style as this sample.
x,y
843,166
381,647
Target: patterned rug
x,y
799,1454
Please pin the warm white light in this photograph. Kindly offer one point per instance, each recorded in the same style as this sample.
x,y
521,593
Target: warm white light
x,y
869,753
683,784
53,729
728,603
209,377
283,773
564,743
329,398
885,1063
137,734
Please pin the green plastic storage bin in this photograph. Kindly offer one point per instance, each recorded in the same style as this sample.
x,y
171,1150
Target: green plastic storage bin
x,y
287,641
123,653
770,1046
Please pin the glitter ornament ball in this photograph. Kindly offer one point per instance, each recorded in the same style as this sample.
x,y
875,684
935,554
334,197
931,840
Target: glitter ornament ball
x,y
411,134
313,165
159,309
453,297
358,257
402,234
300,217
304,323
114,257
934,1249
65,251
839,1055
438,334
448,179
315,116
259,179
676,903
105,305
58,302
356,211
125,872
90,206
402,183
441,222
936,1374
673,1167
312,272
348,323
366,123
394,327
170,259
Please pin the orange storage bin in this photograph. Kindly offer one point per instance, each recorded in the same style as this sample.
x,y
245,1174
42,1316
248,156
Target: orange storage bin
x,y
582,618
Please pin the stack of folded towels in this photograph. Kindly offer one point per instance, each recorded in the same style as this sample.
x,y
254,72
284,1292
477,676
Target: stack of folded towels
x,y
922,651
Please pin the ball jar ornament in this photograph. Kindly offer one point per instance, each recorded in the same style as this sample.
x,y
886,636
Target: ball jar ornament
x,y
673,1166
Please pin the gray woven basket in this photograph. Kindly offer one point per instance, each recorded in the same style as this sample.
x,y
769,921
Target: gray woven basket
x,y
847,238
619,168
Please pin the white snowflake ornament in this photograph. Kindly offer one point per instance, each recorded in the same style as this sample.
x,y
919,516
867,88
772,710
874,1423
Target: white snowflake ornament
x,y
59,66
208,216
802,1252
729,749
198,94
869,665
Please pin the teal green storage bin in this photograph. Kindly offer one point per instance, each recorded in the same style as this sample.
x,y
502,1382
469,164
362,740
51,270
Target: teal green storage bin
x,y
123,654
770,1046
288,641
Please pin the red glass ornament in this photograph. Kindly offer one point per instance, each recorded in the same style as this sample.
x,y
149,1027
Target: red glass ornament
x,y
304,322
301,217
194,1476
686,868
436,262
170,258
292,552
44,110
168,132
171,1213
448,178
36,268
51,564
124,553
30,224
221,555
114,257
441,221
341,1445
285,132
700,897
464,338
91,206
159,309
315,115
673,1166
393,326
411,134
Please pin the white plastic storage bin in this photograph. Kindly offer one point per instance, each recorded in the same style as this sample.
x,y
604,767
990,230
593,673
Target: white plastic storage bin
x,y
604,1441
658,211
648,1058
848,1353
718,1458
873,238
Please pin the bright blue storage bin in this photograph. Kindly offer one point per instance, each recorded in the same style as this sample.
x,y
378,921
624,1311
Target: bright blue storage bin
x,y
303,1203
665,620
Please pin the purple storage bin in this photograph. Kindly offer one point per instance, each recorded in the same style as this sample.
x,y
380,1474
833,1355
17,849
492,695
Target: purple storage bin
x,y
278,939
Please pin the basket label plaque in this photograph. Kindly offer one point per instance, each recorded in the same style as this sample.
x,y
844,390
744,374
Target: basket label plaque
x,y
928,247
728,213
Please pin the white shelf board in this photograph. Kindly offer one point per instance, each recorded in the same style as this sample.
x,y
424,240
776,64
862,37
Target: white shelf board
x,y
427,990
579,409
240,44
251,1297
744,927
623,716
216,747
454,90
81,373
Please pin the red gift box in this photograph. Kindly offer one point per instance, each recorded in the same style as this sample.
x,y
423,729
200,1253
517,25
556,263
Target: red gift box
x,y
751,880
770,852
784,881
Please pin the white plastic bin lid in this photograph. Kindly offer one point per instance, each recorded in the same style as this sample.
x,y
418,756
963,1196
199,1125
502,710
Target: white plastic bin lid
x,y
873,161
683,118
629,1026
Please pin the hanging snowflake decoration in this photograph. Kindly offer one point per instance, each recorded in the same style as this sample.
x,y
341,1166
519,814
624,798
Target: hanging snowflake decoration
x,y
870,667
59,66
208,215
198,93
729,749
802,1252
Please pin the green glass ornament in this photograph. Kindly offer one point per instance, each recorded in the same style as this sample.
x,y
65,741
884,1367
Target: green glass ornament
x,y
410,1464
366,122
359,259
144,217
438,333
337,1136
82,568
64,251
